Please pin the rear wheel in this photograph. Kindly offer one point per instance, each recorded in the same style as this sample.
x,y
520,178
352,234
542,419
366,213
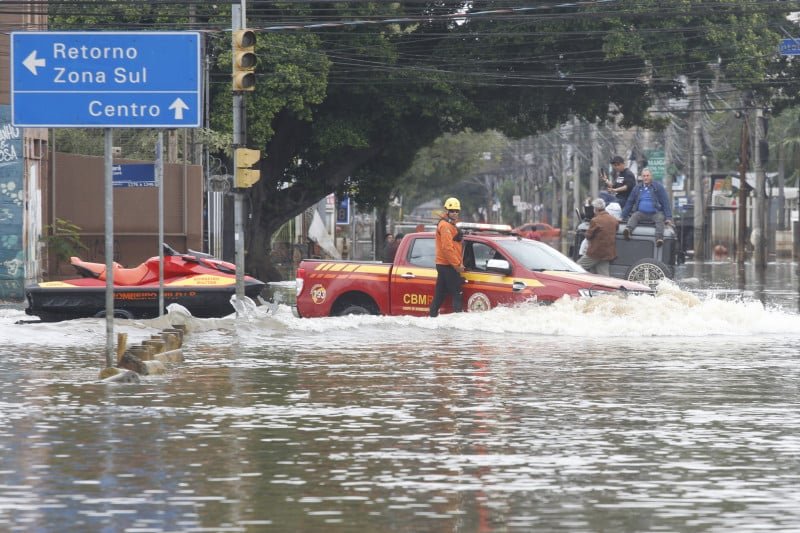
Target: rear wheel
x,y
118,313
648,272
355,304
354,310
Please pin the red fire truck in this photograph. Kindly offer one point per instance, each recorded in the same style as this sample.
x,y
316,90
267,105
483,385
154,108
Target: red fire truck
x,y
502,268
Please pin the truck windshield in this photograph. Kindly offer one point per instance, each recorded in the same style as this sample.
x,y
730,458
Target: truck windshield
x,y
538,256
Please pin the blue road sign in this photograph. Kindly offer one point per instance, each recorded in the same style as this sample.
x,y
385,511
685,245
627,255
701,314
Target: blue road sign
x,y
790,47
134,175
343,211
105,79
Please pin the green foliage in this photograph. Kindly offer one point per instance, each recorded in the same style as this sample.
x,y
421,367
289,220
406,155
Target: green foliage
x,y
79,141
62,239
215,141
291,77
785,137
438,168
348,106
83,15
508,212
134,143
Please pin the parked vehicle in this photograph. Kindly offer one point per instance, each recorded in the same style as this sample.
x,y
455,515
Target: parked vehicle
x,y
199,282
539,231
639,259
501,269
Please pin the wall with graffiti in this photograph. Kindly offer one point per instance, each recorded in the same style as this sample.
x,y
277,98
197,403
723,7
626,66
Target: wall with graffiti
x,y
12,260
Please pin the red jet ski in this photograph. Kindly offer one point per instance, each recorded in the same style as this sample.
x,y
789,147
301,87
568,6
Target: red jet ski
x,y
197,281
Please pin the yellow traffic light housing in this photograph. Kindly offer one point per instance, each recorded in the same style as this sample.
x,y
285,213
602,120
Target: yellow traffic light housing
x,y
243,160
243,75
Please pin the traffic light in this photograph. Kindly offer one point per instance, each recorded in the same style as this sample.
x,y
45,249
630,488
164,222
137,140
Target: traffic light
x,y
243,160
244,60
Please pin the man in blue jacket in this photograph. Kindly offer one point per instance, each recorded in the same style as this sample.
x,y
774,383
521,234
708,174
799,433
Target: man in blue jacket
x,y
649,202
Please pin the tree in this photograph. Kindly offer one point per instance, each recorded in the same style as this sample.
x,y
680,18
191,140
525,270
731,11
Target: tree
x,y
345,106
785,137
437,169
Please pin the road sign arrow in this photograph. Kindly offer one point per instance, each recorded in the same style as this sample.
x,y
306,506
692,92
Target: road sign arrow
x,y
179,106
31,62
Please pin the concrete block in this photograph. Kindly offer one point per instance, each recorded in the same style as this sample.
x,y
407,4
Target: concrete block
x,y
155,368
171,356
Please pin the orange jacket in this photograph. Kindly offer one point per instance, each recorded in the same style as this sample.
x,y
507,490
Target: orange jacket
x,y
448,251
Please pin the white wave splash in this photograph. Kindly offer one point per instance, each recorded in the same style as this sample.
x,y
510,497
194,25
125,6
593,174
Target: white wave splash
x,y
673,312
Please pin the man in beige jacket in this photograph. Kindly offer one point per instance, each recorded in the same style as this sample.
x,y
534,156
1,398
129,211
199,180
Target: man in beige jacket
x,y
602,237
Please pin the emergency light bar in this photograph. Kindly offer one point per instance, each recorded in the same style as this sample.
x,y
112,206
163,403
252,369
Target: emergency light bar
x,y
474,226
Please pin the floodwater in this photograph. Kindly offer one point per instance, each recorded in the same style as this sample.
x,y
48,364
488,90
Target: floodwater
x,y
674,413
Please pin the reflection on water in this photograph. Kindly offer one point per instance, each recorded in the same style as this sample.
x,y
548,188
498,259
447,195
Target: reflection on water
x,y
675,413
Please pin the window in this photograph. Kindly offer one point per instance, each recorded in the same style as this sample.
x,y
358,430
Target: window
x,y
537,256
477,254
423,253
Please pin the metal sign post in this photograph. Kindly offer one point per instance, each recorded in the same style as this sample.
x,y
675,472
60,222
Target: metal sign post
x,y
160,180
109,245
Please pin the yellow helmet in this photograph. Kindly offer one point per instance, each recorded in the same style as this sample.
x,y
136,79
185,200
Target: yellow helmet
x,y
452,204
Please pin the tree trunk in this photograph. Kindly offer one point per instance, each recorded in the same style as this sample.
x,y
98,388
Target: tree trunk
x,y
272,203
381,229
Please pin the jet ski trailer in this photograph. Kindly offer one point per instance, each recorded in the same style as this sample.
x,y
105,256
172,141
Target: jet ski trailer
x,y
197,281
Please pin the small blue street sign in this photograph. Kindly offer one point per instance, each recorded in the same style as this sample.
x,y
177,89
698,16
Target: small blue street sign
x,y
343,211
105,79
790,47
134,175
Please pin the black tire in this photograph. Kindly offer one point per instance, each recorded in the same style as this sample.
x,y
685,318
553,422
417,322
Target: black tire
x,y
354,309
118,313
648,272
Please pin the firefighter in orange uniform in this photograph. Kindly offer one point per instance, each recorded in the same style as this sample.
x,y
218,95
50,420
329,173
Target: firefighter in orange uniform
x,y
449,264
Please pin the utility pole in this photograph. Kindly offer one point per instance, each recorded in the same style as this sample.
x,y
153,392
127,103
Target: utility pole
x,y
594,175
668,135
243,64
781,189
759,210
555,170
238,18
564,176
576,167
744,163
697,170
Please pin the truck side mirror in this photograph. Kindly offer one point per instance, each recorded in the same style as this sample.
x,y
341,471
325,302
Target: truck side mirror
x,y
498,265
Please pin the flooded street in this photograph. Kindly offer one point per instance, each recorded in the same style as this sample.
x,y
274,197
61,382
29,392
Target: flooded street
x,y
674,413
